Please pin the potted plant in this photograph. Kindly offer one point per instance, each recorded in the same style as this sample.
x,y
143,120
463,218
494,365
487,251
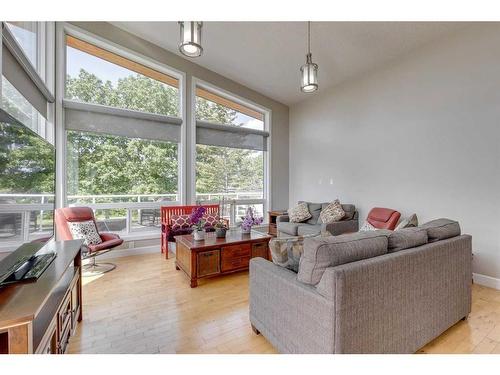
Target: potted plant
x,y
249,220
198,223
220,228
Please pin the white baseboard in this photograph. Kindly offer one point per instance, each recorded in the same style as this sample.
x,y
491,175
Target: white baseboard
x,y
490,282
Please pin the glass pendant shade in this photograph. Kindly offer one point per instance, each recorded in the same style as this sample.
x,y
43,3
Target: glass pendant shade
x,y
309,75
190,44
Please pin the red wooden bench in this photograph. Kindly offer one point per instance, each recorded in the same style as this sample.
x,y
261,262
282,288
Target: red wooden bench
x,y
167,233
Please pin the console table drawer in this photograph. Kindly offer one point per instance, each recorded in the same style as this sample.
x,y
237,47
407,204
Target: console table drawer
x,y
208,263
230,264
236,251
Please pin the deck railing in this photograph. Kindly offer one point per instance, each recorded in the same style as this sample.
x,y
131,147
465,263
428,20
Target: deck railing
x,y
25,217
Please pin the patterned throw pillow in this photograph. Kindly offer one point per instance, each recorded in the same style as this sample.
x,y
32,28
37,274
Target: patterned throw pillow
x,y
210,219
179,222
367,227
86,231
331,213
299,213
287,253
409,222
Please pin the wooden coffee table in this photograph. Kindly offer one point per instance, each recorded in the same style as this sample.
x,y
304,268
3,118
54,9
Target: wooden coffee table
x,y
219,256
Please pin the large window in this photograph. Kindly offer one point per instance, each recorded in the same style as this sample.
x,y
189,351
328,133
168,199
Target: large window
x,y
230,154
95,75
123,136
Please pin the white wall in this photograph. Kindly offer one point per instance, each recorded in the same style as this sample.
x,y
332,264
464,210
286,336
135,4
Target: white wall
x,y
419,135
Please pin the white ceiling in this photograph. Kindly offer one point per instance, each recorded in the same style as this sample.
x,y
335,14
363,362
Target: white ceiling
x,y
266,56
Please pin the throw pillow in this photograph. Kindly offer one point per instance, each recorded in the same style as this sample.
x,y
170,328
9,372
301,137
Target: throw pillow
x,y
409,222
179,222
210,219
299,213
287,252
86,231
367,227
331,213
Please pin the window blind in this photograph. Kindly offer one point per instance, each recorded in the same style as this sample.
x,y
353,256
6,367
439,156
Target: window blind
x,y
122,122
19,71
212,134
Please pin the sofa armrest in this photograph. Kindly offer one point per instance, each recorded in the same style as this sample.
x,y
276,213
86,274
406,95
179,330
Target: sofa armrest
x,y
108,236
293,316
282,219
340,227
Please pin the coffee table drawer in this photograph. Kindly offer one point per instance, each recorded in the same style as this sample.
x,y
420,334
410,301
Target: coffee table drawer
x,y
230,264
236,251
208,263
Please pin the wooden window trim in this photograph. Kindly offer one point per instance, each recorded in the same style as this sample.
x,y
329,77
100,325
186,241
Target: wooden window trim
x,y
205,94
121,61
113,58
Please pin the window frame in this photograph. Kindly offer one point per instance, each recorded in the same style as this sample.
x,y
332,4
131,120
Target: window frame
x,y
266,200
65,29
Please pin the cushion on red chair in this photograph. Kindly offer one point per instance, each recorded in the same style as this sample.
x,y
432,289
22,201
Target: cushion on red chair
x,y
179,222
109,240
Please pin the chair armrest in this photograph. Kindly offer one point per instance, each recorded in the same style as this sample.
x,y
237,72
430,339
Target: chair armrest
x,y
282,219
340,227
108,236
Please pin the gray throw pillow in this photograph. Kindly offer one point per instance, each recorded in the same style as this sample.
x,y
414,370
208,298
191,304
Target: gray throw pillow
x,y
407,238
441,229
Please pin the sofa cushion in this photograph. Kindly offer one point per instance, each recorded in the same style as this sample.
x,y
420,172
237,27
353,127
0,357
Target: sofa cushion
x,y
350,211
323,252
441,229
314,210
299,213
306,229
408,222
406,238
332,212
288,228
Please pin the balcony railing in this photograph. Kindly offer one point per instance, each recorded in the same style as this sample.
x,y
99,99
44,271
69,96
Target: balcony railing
x,y
26,217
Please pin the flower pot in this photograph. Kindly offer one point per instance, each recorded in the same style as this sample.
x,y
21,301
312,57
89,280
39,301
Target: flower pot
x,y
199,235
220,232
246,231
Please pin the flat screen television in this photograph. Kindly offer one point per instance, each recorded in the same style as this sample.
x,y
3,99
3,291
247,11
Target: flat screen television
x,y
27,185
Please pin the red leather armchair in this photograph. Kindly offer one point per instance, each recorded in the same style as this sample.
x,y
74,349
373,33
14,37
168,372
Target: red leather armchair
x,y
383,218
109,240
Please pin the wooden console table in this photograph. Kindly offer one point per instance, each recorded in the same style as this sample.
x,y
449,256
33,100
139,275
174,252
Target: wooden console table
x,y
218,256
273,227
39,317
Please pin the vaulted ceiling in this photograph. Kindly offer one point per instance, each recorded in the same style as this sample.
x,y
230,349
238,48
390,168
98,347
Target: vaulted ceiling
x,y
266,56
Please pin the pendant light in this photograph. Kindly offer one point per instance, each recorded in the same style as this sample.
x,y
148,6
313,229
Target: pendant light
x,y
190,44
309,71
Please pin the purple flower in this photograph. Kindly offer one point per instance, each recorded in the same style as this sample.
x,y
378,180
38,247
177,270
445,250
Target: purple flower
x,y
196,217
249,220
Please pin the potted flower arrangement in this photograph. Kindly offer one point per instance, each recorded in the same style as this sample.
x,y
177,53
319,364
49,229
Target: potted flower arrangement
x,y
198,223
250,220
220,228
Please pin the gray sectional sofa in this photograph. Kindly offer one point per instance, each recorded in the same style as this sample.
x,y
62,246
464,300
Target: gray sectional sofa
x,y
368,292
315,226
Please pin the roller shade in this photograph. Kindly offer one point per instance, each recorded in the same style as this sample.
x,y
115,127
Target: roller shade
x,y
211,134
122,122
16,75
19,71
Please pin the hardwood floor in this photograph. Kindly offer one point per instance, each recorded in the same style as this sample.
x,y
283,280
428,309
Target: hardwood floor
x,y
146,306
